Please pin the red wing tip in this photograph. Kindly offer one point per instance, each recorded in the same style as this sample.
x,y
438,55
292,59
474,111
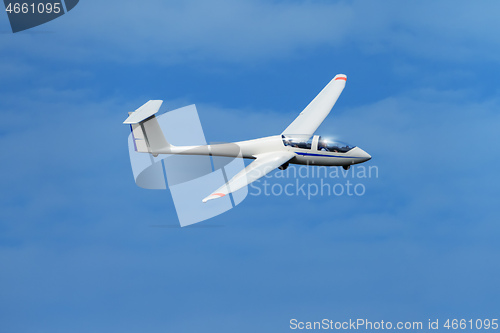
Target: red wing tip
x,y
341,78
213,196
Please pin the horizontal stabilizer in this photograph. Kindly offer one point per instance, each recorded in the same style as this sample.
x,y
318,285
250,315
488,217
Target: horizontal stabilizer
x,y
144,112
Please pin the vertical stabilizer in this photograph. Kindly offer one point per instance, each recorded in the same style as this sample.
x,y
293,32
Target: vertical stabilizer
x,y
147,134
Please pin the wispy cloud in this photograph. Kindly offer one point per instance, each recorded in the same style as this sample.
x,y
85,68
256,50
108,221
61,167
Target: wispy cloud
x,y
243,31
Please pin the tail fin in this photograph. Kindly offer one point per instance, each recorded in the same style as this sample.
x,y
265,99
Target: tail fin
x,y
147,134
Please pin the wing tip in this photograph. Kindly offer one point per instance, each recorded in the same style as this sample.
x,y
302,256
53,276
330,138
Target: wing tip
x,y
213,196
340,77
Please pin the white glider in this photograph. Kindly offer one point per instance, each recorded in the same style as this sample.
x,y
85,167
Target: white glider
x,y
297,144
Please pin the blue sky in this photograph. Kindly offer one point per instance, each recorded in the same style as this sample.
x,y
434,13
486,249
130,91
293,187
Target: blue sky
x,y
83,249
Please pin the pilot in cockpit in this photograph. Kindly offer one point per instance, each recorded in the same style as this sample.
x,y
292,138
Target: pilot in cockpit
x,y
322,146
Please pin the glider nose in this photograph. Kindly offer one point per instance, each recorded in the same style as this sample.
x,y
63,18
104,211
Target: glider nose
x,y
364,155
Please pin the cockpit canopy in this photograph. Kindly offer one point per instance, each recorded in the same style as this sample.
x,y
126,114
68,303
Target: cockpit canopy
x,y
298,141
334,146
321,143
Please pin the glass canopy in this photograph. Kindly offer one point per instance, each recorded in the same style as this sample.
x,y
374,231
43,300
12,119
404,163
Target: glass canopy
x,y
297,141
332,145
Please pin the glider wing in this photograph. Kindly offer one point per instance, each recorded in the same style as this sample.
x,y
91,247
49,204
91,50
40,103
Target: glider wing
x,y
313,115
263,164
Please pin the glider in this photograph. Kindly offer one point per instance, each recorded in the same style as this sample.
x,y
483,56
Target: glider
x,y
297,144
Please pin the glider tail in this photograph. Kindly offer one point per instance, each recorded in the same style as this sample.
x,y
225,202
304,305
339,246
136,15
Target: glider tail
x,y
146,132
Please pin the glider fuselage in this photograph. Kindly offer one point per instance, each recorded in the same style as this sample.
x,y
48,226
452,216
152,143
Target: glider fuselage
x,y
307,152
